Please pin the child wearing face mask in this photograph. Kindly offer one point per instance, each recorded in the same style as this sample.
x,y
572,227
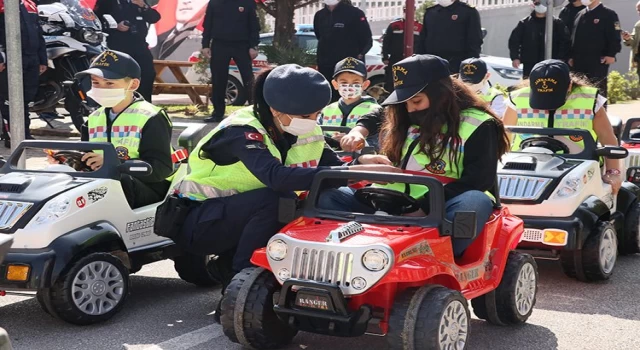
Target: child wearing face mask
x,y
474,74
136,128
350,80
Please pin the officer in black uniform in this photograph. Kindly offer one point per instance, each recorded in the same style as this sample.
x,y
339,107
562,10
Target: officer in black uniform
x,y
342,31
527,40
34,63
133,17
569,12
452,31
596,42
393,46
231,31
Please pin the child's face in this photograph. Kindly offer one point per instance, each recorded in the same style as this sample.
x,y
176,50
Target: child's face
x,y
102,83
350,85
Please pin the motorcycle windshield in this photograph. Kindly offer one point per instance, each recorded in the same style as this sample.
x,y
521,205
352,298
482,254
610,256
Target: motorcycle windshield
x,y
82,14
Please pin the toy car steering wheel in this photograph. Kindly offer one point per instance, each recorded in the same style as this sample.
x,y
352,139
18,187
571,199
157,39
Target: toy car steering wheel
x,y
389,201
72,159
549,143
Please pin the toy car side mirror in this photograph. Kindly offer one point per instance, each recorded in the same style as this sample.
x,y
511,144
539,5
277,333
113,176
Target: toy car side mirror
x,y
464,225
612,152
135,168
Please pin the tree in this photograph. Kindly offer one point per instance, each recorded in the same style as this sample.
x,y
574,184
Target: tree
x,y
262,17
422,9
283,12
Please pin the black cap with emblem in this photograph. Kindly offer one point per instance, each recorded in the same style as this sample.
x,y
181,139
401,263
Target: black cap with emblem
x,y
413,74
351,65
112,65
549,82
473,70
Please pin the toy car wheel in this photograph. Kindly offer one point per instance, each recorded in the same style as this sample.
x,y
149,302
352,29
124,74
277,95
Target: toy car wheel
x,y
194,269
431,317
92,290
631,241
247,315
599,253
516,294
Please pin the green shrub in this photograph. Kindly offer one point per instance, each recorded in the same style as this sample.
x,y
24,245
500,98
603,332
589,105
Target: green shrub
x,y
201,68
634,85
618,88
289,54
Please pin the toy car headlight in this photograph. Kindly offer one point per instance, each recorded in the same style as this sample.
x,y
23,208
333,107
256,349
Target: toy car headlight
x,y
570,186
54,210
375,260
277,250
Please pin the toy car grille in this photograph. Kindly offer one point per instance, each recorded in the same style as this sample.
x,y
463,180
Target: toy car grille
x,y
522,187
532,235
11,212
322,265
633,160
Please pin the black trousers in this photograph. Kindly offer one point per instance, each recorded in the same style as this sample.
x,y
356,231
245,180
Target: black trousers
x,y
242,223
30,81
221,54
140,194
327,71
595,71
143,56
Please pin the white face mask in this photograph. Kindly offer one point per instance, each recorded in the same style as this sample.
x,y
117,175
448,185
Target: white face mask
x,y
540,9
349,91
107,97
586,2
445,3
298,126
331,2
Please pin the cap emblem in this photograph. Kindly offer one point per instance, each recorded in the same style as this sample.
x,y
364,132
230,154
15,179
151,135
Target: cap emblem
x,y
469,69
545,85
103,61
397,79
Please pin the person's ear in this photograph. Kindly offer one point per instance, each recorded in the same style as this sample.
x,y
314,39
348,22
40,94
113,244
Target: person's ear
x,y
335,84
486,77
134,84
366,84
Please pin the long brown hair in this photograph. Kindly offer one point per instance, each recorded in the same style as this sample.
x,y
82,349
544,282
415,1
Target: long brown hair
x,y
448,98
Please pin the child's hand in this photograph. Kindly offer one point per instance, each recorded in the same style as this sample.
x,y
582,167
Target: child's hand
x,y
338,136
52,160
93,160
352,142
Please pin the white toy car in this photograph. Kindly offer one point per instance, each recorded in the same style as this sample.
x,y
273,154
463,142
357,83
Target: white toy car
x,y
568,211
630,139
76,240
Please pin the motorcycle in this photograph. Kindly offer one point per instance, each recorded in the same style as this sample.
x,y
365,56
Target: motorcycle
x,y
73,36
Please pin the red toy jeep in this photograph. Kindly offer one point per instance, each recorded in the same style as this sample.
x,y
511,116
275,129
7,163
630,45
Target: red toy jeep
x,y
347,274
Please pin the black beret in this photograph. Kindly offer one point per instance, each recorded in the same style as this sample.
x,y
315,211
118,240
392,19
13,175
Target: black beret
x,y
296,90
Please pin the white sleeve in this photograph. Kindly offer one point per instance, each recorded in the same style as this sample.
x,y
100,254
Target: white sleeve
x,y
600,101
499,105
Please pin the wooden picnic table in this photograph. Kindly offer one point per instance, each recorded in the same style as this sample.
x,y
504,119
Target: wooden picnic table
x,y
182,85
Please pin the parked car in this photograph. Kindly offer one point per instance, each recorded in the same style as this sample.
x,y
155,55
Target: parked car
x,y
500,68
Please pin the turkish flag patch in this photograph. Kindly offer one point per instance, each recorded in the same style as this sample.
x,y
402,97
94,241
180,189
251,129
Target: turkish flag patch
x,y
253,136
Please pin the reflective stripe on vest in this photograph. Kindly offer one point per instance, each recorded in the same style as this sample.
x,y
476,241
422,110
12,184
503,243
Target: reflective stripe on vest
x,y
420,162
491,95
209,180
576,113
332,115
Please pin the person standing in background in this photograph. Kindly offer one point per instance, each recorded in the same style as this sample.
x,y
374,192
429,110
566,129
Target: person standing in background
x,y
632,40
451,30
393,46
569,12
34,63
527,40
595,43
231,31
133,18
342,31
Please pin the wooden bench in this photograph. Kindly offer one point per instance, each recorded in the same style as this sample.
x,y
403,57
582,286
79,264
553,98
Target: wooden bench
x,y
182,85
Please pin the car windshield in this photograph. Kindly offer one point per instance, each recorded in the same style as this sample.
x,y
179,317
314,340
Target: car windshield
x,y
82,14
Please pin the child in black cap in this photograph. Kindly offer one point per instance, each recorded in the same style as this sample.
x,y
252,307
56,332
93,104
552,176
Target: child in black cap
x,y
556,98
136,128
474,74
350,80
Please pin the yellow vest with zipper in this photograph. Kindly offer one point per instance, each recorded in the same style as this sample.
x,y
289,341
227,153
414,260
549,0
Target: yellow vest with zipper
x,y
332,115
576,113
209,180
418,161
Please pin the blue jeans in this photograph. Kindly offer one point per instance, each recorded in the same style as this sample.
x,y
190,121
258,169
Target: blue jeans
x,y
343,199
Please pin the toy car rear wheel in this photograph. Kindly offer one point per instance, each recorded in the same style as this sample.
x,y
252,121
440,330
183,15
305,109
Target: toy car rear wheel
x,y
93,290
431,317
631,241
247,315
195,269
599,253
